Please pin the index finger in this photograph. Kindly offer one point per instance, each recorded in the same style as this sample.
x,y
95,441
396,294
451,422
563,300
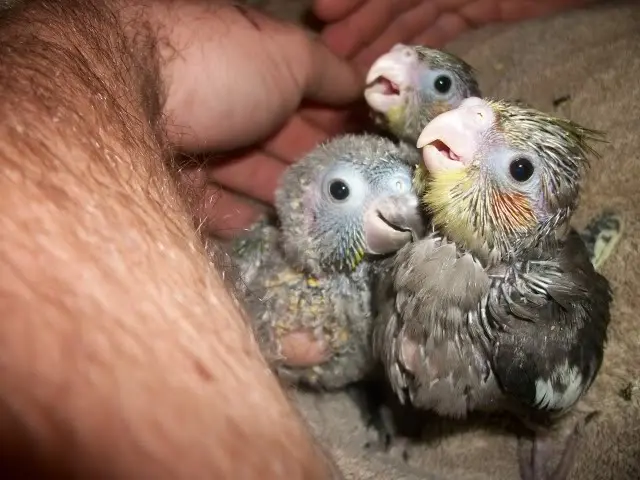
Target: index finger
x,y
328,78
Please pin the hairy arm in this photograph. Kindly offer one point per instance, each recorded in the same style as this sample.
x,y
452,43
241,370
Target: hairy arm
x,y
121,354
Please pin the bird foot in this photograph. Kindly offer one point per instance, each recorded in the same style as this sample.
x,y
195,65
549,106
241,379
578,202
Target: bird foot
x,y
376,416
301,349
382,423
601,237
535,465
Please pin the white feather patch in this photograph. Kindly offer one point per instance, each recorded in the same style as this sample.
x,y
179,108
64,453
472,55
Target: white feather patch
x,y
570,378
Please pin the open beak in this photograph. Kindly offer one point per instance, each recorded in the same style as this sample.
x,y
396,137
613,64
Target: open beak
x,y
391,222
450,141
388,77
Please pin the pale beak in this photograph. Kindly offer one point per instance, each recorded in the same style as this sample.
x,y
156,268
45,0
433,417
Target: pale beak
x,y
451,140
389,76
392,222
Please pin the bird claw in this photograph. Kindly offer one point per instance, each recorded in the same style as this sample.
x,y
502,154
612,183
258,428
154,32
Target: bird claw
x,y
302,349
382,423
370,398
535,465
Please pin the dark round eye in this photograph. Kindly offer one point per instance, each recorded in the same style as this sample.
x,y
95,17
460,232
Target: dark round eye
x,y
521,169
442,84
339,190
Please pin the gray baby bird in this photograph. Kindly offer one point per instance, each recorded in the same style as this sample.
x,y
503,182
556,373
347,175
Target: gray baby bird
x,y
410,85
500,308
341,208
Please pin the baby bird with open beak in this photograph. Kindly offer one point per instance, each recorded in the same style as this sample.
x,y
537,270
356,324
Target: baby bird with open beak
x,y
499,308
410,85
344,206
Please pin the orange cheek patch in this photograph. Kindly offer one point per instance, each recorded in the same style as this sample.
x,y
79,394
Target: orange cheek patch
x,y
513,211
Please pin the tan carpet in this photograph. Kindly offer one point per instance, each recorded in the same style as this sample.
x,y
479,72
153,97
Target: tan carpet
x,y
593,56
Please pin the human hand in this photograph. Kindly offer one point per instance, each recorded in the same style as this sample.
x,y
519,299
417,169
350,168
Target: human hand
x,y
362,30
234,78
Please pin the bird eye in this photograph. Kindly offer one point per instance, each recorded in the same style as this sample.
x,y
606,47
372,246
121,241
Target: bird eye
x,y
442,84
339,190
521,169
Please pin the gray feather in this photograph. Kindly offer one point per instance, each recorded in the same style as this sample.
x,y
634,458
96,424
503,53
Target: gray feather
x,y
457,337
250,250
309,271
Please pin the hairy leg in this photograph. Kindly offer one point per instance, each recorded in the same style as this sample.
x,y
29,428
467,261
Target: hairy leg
x,y
121,353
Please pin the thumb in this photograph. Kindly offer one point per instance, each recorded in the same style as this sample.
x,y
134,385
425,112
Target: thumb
x,y
298,55
328,79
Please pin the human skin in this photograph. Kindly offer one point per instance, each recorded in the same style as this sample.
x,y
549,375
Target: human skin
x,y
122,353
250,140
111,321
360,31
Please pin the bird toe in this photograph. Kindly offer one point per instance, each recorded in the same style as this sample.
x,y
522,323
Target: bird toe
x,y
302,349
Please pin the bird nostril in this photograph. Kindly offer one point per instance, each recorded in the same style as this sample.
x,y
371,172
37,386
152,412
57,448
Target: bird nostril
x,y
408,54
403,52
481,116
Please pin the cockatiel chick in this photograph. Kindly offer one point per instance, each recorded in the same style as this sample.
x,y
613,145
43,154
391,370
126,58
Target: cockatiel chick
x,y
410,85
406,88
342,206
500,307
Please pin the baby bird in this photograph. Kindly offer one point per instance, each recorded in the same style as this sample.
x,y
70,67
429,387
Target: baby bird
x,y
347,203
410,85
499,308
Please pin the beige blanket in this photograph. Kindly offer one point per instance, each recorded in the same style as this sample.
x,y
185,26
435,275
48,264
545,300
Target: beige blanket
x,y
593,56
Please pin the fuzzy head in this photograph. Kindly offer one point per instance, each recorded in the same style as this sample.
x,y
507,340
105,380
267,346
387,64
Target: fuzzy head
x,y
501,178
410,85
350,197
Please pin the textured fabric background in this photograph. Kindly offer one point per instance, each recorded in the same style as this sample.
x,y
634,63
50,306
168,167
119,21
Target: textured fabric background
x,y
594,56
